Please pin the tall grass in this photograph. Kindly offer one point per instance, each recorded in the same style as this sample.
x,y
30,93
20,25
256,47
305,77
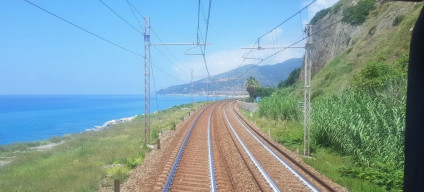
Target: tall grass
x,y
280,106
368,127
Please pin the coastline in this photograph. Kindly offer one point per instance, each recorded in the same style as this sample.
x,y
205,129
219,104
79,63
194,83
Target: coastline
x,y
47,144
110,123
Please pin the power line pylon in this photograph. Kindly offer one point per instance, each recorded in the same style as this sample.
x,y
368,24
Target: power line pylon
x,y
307,99
147,63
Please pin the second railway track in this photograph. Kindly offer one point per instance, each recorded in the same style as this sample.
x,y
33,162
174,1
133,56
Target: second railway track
x,y
220,151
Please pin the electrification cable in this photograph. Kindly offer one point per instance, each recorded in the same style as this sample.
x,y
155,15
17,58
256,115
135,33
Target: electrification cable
x,y
135,16
83,29
302,39
154,88
129,24
245,56
132,7
288,19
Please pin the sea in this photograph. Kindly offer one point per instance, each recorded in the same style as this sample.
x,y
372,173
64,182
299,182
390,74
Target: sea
x,y
26,118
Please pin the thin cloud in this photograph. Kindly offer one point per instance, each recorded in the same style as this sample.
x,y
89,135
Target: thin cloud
x,y
224,61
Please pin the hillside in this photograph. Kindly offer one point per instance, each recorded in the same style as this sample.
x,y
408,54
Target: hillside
x,y
347,46
360,53
227,83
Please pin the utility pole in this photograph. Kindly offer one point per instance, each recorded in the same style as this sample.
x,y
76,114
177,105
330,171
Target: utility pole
x,y
307,99
147,64
147,80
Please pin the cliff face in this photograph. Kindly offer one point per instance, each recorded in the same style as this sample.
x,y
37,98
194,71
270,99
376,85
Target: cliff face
x,y
344,37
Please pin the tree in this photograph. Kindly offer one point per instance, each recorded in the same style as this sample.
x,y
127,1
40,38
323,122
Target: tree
x,y
251,85
264,91
294,75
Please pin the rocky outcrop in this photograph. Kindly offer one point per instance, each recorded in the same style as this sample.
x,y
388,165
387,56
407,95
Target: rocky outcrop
x,y
112,122
329,42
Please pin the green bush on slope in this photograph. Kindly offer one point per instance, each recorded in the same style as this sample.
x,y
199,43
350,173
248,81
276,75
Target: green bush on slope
x,y
357,14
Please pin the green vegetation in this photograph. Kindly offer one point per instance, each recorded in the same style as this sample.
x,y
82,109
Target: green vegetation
x,y
264,91
293,76
357,14
321,14
83,162
368,127
398,19
358,104
251,85
279,107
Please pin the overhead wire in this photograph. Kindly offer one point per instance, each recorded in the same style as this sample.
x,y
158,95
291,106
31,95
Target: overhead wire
x,y
129,24
157,36
154,88
135,16
257,42
83,29
302,39
288,18
131,6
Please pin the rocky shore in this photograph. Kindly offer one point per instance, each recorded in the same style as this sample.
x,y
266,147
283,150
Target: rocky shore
x,y
112,122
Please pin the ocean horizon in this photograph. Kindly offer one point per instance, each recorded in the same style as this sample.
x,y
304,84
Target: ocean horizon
x,y
27,118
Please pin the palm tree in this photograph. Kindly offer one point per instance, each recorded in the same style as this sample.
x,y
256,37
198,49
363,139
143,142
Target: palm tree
x,y
251,85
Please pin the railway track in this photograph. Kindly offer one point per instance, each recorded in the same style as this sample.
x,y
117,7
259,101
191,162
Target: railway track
x,y
302,173
220,151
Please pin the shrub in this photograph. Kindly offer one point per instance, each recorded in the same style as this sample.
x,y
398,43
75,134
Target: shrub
x,y
321,14
337,7
279,107
376,76
264,91
357,14
293,76
398,19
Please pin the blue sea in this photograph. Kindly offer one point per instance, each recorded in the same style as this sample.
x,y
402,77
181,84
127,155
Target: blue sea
x,y
32,118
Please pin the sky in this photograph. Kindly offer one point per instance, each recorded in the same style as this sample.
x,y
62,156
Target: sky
x,y
43,55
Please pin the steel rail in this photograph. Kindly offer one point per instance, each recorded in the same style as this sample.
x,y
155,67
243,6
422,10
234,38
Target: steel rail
x,y
284,163
261,170
171,175
239,152
212,177
329,188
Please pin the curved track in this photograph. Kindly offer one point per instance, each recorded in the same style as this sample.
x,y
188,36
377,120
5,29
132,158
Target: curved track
x,y
222,152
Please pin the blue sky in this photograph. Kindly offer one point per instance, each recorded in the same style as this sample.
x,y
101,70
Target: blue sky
x,y
40,54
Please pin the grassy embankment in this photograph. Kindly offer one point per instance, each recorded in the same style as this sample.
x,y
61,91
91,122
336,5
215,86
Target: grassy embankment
x,y
358,109
86,161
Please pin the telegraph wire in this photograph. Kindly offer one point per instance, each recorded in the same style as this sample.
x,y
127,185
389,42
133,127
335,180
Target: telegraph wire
x,y
298,12
83,29
133,8
257,42
198,22
129,24
302,39
154,88
131,5
135,16
163,71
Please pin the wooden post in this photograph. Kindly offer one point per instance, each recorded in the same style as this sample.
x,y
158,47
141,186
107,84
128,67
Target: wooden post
x,y
158,143
116,181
